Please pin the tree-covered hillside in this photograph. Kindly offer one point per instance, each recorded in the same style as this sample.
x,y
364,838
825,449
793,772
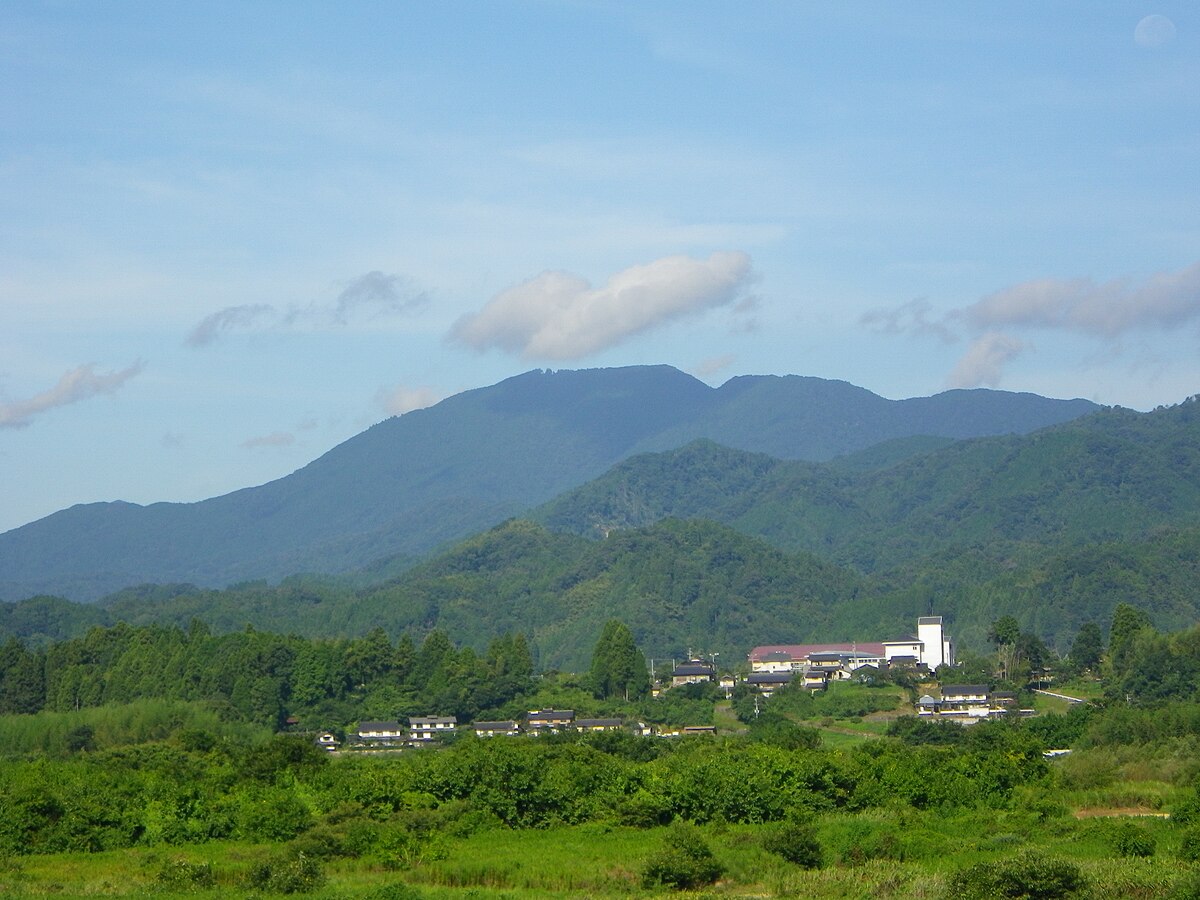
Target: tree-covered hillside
x,y
1110,476
417,482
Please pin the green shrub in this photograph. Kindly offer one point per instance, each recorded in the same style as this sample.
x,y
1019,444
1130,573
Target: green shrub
x,y
1189,847
863,841
1028,876
1187,811
644,810
1186,888
1133,840
289,874
684,861
796,842
184,875
397,890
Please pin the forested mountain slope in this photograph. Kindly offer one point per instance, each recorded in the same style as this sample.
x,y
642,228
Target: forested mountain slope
x,y
1112,475
679,585
413,483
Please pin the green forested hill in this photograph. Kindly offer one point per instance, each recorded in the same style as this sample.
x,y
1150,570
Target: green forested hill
x,y
679,585
715,549
417,482
1113,475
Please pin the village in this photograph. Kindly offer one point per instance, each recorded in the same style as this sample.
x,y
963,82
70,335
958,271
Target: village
x,y
928,656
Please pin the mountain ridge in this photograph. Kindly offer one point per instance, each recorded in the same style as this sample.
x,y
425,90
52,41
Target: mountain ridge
x,y
412,483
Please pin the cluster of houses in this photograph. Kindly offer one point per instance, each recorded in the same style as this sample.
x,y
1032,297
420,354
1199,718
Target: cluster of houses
x,y
425,730
968,703
813,666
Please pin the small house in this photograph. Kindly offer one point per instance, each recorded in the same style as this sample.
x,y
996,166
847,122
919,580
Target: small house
x,y
538,720
381,733
507,727
587,725
694,671
422,729
767,683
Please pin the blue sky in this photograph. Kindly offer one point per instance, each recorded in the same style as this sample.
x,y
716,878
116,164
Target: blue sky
x,y
234,235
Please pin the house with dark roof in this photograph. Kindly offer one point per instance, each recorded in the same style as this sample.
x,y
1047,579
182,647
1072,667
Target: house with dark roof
x,y
538,720
381,733
694,671
586,725
507,727
961,702
423,729
767,683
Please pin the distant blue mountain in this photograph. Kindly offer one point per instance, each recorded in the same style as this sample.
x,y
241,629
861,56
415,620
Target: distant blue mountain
x,y
414,483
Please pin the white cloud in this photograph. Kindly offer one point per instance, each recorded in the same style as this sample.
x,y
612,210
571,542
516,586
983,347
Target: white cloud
x,y
984,361
1166,300
559,316
78,384
396,401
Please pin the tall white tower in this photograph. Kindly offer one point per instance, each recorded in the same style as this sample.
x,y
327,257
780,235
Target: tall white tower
x,y
938,649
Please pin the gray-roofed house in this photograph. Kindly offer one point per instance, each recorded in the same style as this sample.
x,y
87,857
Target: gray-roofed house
x,y
538,720
381,733
598,724
423,729
694,671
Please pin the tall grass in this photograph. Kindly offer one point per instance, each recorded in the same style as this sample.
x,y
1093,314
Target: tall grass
x,y
118,725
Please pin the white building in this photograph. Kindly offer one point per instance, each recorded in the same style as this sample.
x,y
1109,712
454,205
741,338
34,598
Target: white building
x,y
930,646
425,728
937,648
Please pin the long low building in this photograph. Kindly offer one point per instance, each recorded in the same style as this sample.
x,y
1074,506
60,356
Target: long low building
x,y
929,647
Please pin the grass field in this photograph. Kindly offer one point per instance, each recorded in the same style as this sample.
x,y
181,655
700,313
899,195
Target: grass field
x,y
882,853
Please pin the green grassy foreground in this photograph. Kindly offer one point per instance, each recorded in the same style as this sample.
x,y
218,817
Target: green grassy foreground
x,y
893,852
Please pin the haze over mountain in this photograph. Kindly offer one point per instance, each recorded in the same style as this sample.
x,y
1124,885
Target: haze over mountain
x,y
410,484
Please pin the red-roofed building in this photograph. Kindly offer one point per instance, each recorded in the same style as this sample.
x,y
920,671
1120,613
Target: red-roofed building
x,y
795,657
930,647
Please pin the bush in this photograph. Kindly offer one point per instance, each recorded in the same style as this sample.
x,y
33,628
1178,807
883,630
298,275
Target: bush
x,y
1187,811
1028,876
291,874
182,875
397,890
644,810
795,842
1133,840
1186,888
1189,847
684,861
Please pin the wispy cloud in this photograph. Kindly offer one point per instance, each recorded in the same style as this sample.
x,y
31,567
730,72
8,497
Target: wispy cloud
x,y
560,316
1166,300
231,318
275,439
80,383
371,296
912,318
1106,311
398,400
713,365
379,294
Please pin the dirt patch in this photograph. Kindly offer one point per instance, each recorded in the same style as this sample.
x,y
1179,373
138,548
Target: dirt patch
x,y
1110,811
